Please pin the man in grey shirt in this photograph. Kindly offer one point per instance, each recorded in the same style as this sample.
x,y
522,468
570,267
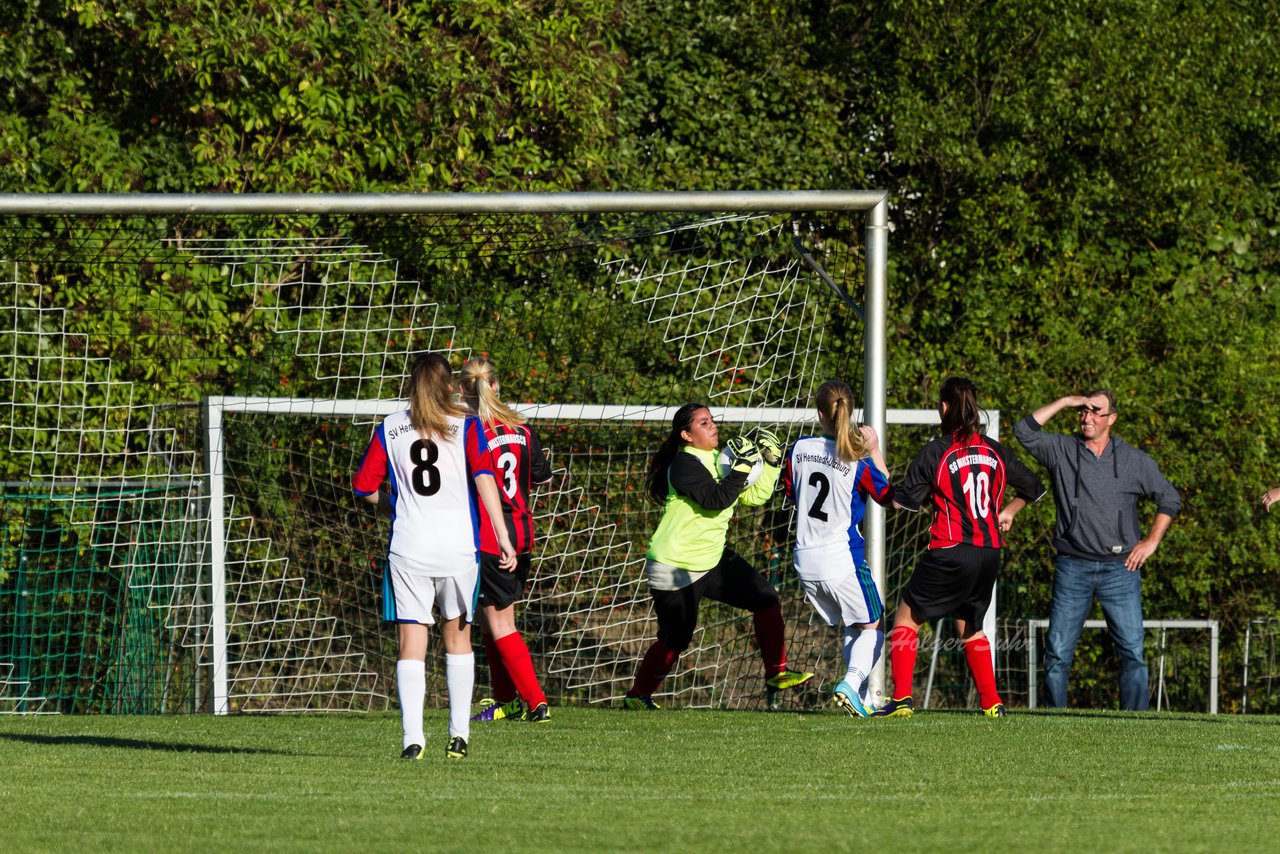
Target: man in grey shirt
x,y
1097,481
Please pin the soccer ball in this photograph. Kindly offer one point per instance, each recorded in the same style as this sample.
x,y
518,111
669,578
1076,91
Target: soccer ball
x,y
726,466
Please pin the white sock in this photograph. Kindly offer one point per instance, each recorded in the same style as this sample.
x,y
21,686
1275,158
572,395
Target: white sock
x,y
864,651
411,687
460,674
848,635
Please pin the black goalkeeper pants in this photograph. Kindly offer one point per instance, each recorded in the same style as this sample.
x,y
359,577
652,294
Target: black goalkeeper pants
x,y
732,581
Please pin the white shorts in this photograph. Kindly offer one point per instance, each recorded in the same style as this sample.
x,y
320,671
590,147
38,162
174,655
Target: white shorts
x,y
852,599
409,598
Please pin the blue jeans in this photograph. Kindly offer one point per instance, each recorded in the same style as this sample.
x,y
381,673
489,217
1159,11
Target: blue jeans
x,y
1076,582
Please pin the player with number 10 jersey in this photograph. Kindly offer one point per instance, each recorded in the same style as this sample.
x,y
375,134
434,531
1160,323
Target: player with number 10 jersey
x,y
964,473
966,477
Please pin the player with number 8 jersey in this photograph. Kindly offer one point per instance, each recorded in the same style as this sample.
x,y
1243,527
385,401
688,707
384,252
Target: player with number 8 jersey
x,y
435,523
437,461
964,474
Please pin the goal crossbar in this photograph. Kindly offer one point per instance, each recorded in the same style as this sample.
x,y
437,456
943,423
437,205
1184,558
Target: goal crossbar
x,y
438,203
570,411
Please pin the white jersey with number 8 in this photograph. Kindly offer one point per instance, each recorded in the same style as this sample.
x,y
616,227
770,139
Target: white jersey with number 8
x,y
434,522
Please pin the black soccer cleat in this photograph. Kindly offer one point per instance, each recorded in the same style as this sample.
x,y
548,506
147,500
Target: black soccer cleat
x,y
413,751
457,748
899,708
639,704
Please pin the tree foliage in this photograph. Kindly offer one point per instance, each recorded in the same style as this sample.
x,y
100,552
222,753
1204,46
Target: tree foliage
x,y
275,96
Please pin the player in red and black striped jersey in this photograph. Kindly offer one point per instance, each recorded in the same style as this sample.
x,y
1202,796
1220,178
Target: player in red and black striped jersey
x,y
964,477
520,464
963,473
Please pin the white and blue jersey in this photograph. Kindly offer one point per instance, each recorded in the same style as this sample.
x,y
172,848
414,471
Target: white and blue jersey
x,y
435,520
830,498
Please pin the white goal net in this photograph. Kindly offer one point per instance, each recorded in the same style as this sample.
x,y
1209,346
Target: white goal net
x,y
187,397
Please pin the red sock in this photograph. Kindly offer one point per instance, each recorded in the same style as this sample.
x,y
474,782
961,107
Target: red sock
x,y
519,666
902,657
654,668
770,631
977,650
504,690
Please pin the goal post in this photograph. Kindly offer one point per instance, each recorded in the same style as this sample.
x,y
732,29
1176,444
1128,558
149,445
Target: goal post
x,y
790,422
1163,627
124,312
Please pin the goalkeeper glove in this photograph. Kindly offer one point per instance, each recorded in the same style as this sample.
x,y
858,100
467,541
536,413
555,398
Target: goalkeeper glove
x,y
769,444
744,452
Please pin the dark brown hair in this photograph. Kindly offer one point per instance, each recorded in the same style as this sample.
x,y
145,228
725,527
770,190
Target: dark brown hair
x,y
655,480
963,417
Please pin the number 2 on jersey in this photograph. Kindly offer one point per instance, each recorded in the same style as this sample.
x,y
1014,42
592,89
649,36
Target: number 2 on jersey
x,y
819,481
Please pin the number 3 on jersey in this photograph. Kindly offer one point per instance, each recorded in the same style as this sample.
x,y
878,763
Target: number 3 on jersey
x,y
426,477
977,488
506,463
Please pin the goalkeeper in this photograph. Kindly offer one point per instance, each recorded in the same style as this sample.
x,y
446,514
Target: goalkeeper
x,y
687,560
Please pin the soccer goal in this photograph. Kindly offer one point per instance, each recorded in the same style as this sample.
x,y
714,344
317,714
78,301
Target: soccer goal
x,y
193,378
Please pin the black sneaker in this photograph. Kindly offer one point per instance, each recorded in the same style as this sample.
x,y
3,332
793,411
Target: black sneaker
x,y
899,708
540,714
413,751
457,748
639,704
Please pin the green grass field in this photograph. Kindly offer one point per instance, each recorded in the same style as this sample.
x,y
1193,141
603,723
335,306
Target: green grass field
x,y
598,779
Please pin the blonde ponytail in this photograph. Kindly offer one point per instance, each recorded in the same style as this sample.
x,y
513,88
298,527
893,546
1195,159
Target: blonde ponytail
x,y
478,381
834,401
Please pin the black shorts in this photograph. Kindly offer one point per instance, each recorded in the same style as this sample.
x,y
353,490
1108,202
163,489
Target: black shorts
x,y
499,588
955,582
733,581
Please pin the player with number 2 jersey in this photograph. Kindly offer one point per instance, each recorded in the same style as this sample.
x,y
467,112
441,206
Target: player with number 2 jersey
x,y
830,495
829,478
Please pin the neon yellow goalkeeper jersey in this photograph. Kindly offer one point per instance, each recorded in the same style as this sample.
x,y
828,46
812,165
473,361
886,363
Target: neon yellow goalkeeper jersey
x,y
695,521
